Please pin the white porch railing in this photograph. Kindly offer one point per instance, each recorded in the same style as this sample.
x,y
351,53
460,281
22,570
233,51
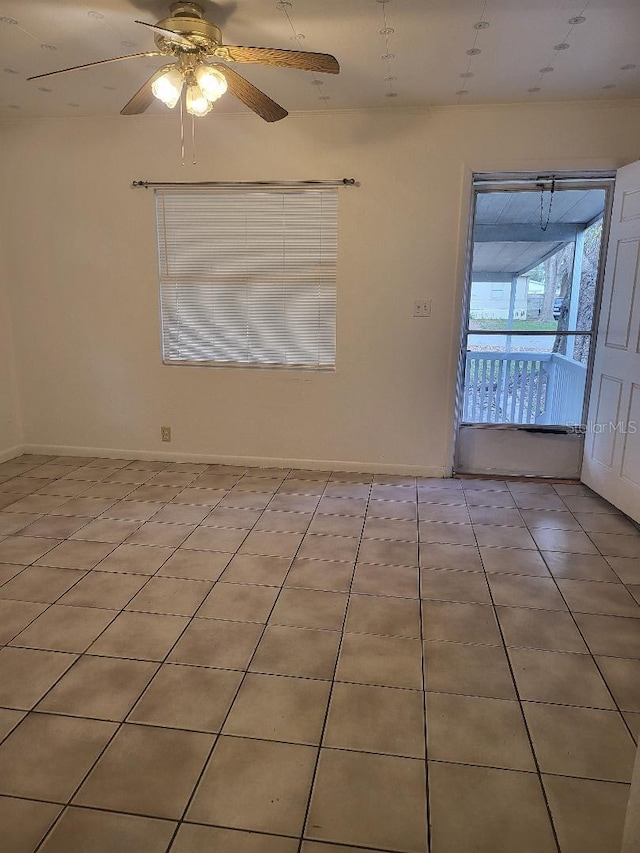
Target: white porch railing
x,y
523,388
565,390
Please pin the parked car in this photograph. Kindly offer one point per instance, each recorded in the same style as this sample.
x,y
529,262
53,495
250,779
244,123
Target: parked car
x,y
557,307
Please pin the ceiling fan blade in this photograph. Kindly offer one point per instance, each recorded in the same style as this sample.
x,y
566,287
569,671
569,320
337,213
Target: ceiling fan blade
x,y
93,64
176,38
251,96
144,97
301,59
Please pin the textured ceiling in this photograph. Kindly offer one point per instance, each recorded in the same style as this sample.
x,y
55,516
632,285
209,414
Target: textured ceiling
x,y
435,52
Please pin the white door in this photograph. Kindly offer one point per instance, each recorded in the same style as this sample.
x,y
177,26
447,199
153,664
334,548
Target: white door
x,y
611,463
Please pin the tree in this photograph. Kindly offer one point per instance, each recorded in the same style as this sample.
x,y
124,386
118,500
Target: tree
x,y
557,275
588,283
550,275
560,342
586,296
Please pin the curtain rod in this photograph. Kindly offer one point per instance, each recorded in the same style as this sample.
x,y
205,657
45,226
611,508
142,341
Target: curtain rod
x,y
344,182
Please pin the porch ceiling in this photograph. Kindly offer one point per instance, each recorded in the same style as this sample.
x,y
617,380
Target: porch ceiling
x,y
508,234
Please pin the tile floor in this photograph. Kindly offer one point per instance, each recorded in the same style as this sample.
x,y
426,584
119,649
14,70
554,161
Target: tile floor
x,y
202,657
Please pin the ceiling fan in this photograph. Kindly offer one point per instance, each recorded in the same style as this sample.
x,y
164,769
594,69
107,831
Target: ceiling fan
x,y
194,44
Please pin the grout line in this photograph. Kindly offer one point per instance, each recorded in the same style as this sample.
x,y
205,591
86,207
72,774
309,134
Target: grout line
x,y
524,718
333,680
242,681
424,687
593,658
49,605
534,772
119,726
118,723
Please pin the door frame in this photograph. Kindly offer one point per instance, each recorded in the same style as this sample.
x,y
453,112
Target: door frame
x,y
518,181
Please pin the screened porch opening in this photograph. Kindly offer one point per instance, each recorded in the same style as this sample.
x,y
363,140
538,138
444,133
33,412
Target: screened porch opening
x,y
530,316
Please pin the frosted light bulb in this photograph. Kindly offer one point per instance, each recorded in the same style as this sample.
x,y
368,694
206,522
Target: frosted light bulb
x,y
197,103
168,87
211,81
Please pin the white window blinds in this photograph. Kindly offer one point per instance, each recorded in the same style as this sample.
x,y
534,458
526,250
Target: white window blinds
x,y
248,276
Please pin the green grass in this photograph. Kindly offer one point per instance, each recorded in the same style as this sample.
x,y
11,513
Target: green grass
x,y
518,326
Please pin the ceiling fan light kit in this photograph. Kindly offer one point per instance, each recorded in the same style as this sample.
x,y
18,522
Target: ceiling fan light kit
x,y
205,85
197,104
212,82
168,87
198,54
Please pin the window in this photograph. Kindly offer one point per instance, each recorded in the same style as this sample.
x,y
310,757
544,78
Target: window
x,y
248,276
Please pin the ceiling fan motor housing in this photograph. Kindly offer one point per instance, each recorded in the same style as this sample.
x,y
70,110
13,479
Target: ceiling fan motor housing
x,y
187,19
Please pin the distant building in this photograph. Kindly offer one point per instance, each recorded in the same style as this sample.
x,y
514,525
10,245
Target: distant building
x,y
490,300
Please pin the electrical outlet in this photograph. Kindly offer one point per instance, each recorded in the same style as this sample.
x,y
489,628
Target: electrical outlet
x,y
165,432
422,308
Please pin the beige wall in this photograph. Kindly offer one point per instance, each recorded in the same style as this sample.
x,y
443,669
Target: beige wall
x,y
10,425
80,255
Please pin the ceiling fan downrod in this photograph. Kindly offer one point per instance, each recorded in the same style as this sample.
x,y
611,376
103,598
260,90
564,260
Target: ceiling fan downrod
x,y
186,10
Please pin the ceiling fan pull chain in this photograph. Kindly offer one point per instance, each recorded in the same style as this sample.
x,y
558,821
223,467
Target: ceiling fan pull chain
x,y
193,139
544,224
182,127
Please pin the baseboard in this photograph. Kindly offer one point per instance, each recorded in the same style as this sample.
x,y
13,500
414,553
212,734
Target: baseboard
x,y
11,453
248,461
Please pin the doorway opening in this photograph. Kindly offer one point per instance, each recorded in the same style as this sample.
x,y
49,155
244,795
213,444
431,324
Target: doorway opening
x,y
529,322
